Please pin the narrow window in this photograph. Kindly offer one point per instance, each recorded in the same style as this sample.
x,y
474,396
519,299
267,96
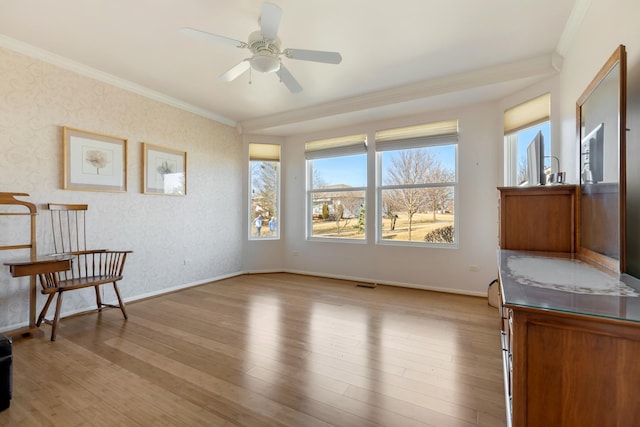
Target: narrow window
x,y
336,187
417,182
264,191
521,125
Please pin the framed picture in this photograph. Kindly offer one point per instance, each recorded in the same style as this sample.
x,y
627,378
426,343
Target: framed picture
x,y
93,161
165,170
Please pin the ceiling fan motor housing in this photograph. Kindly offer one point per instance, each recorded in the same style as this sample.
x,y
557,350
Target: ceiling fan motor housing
x,y
266,53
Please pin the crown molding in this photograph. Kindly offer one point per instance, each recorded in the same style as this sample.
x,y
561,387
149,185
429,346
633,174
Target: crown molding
x,y
84,70
532,67
572,26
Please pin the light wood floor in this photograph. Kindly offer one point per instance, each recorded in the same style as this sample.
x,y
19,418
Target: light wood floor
x,y
268,350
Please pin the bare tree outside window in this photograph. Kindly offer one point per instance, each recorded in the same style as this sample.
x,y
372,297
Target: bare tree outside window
x,y
418,194
318,180
439,197
336,213
522,176
264,191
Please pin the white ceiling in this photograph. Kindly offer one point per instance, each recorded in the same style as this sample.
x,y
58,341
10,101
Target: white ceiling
x,y
399,58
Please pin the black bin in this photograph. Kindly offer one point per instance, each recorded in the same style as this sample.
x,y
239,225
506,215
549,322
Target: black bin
x,y
5,372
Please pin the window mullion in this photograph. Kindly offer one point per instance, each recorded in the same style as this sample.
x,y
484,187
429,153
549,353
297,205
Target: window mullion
x,y
426,185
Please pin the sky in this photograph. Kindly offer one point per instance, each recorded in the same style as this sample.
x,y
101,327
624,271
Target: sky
x,y
352,170
526,136
349,170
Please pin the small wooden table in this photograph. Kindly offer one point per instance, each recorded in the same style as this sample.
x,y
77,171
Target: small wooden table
x,y
32,267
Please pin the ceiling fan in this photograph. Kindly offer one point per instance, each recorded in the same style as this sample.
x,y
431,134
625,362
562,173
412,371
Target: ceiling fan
x,y
265,48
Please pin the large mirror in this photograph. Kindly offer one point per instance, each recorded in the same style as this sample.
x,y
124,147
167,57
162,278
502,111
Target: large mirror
x,y
601,124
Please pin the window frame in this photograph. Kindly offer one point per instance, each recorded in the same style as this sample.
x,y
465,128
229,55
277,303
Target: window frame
x,y
519,118
511,153
343,146
441,135
265,153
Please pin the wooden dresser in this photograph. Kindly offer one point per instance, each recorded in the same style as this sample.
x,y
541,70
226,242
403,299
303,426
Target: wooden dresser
x,y
571,342
538,218
570,331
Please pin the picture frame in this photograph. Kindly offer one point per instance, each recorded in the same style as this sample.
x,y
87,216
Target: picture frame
x,y
164,170
93,161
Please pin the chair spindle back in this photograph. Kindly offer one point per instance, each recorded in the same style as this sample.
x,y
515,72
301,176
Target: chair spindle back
x,y
69,229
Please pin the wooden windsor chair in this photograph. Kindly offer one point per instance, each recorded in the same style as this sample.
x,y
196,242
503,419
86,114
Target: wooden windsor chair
x,y
90,268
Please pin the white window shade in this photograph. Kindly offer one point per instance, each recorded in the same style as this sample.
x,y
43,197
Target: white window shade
x,y
527,114
264,152
445,132
334,147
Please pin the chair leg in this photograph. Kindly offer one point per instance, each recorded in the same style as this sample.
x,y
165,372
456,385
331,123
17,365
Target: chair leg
x,y
98,298
43,313
56,319
124,312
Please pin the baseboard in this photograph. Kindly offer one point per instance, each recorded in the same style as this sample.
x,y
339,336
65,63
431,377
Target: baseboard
x,y
389,283
183,286
14,327
266,271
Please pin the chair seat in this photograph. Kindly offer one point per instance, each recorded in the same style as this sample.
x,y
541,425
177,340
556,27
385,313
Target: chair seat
x,y
81,282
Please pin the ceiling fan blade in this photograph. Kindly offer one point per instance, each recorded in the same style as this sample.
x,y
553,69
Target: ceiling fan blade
x,y
289,81
314,55
270,20
208,36
235,72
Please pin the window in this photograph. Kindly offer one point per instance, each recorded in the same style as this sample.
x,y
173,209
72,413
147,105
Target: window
x,y
521,124
336,187
417,180
264,191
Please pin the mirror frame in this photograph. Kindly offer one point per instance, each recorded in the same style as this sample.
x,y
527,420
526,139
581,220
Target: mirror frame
x,y
619,57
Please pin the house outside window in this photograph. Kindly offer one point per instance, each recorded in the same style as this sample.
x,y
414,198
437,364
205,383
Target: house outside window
x,y
264,191
336,188
521,124
416,185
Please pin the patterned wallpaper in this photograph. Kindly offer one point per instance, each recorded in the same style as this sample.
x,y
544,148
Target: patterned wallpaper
x,y
176,240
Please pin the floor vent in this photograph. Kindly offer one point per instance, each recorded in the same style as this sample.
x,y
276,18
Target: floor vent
x,y
366,285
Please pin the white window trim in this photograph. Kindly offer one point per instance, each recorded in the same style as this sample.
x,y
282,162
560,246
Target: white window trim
x,y
309,205
380,187
527,114
510,159
264,153
326,148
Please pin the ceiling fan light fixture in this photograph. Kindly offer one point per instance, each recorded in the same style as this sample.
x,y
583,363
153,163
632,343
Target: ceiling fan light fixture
x,y
265,62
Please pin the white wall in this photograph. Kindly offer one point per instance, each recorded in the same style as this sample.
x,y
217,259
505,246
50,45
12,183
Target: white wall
x,y
480,171
429,268
605,26
176,240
